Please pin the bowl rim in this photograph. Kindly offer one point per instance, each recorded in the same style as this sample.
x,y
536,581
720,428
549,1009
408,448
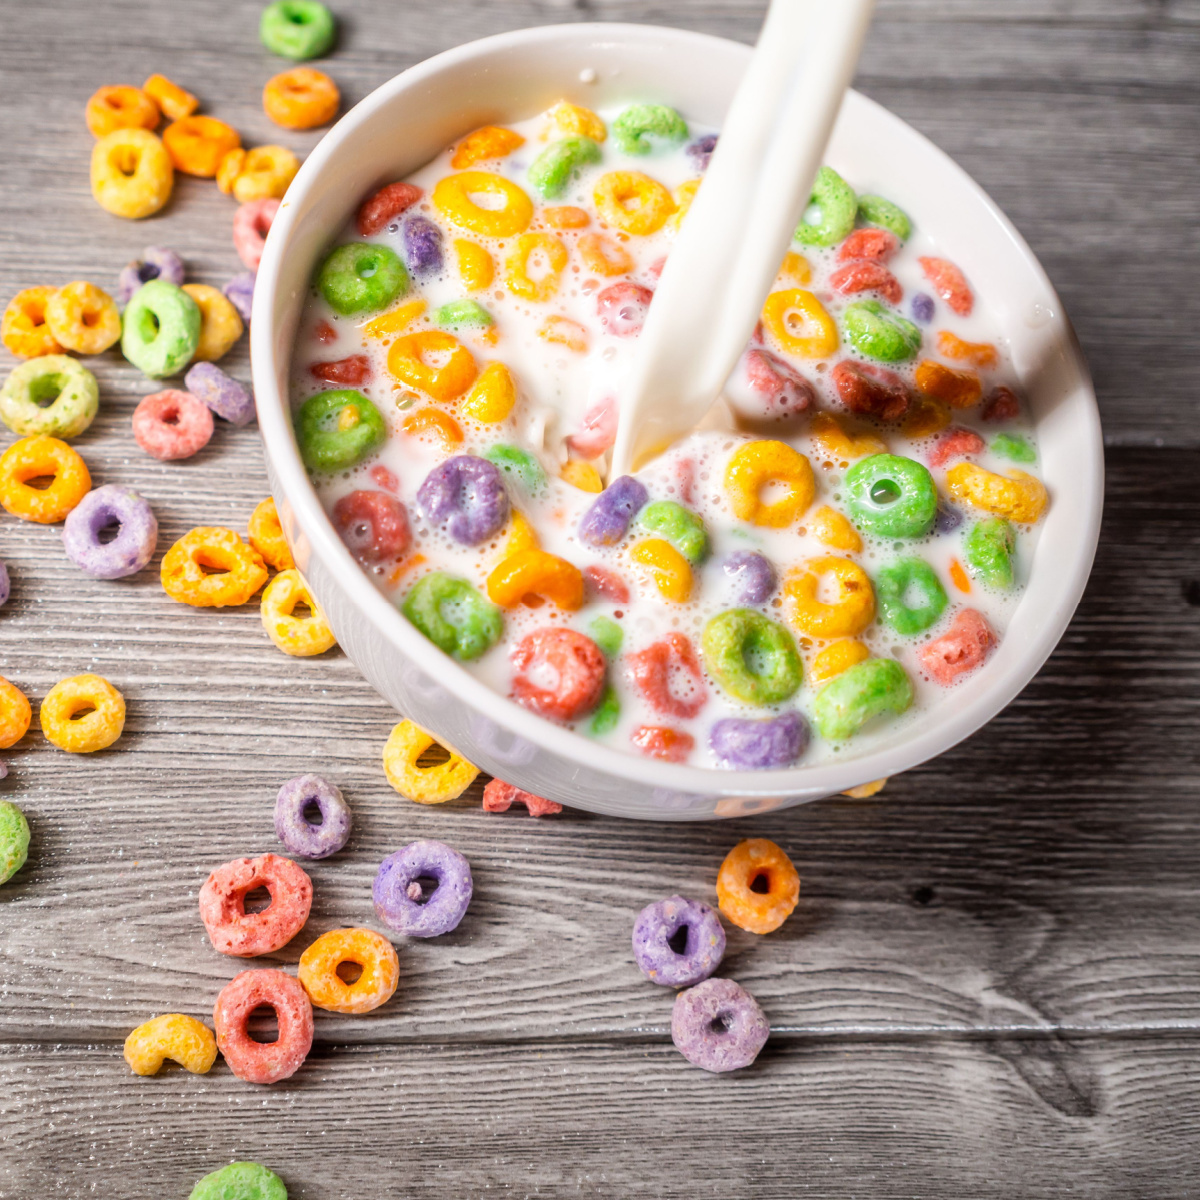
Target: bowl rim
x,y
284,461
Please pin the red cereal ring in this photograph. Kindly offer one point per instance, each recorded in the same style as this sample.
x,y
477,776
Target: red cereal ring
x,y
669,677
784,388
657,741
607,584
871,390
876,244
622,308
867,276
385,205
962,649
373,525
231,929
263,1062
955,443
324,332
558,673
499,796
345,372
382,476
1002,405
172,424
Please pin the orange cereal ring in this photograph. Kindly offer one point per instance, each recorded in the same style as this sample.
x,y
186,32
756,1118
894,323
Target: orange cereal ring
x,y
406,361
197,144
241,569
266,536
978,354
958,388
82,714
120,107
738,882
41,457
376,957
23,329
603,256
301,98
566,216
15,714
492,141
175,102
83,318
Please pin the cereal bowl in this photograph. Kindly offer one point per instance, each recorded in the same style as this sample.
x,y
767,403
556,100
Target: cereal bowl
x,y
406,123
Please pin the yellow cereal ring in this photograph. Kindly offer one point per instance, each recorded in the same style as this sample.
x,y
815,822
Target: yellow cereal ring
x,y
758,464
865,791
406,363
818,336
220,323
15,714
492,141
671,572
23,329
796,268
426,785
266,536
370,951
574,119
1021,497
744,865
538,573
132,174
925,417
581,475
120,107
516,266
632,202
562,331
452,198
301,98
836,658
829,435
831,527
521,535
396,321
685,193
263,173
958,388
175,102
83,318
82,714
180,1038
229,168
36,457
197,144
475,266
492,397
849,614
184,578
603,256
301,637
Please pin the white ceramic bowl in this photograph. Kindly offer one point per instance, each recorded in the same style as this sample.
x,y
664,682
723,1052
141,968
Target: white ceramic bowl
x,y
405,123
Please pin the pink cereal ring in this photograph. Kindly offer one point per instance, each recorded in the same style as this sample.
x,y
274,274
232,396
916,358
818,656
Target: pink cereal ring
x,y
866,275
955,443
231,929
251,224
558,673
263,1062
622,308
499,796
598,430
607,584
784,388
172,424
960,650
877,244
669,677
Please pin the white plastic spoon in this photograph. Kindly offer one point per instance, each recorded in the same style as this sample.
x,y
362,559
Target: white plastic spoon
x,y
739,226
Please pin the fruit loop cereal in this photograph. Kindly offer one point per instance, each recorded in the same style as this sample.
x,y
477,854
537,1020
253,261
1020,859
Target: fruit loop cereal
x,y
371,952
15,714
37,458
499,796
83,318
231,929
82,714
757,886
197,144
328,828
300,636
301,98
172,424
297,28
132,174
401,899
156,262
23,329
263,1062
120,107
224,395
121,512
239,569
251,223
220,323
182,1039
53,394
160,329
175,102
678,942
14,840
266,536
240,1181
718,1025
436,784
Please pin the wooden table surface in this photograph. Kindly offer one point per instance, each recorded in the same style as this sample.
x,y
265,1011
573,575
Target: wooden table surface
x,y
992,984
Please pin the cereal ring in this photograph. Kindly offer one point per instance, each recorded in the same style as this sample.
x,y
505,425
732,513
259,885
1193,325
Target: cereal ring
x,y
240,1181
134,540
234,931
632,202
573,118
658,741
172,424
700,152
160,329
184,578
197,144
639,123
463,314
157,262
374,526
880,333
959,389
240,290
956,443
521,535
83,318
926,416
535,572
361,277
866,690
608,713
82,714
371,952
301,637
23,329
131,173
890,496
871,390
747,868
671,572
312,839
901,579
678,942
668,676
752,657
220,323
978,354
1021,497
492,396
266,536
597,429
552,254
492,141
180,1038
751,575
558,673
251,224
560,164
14,840
777,387
967,643
301,98
875,210
452,197
848,614
433,424
297,29
499,796
607,583
475,266
472,627
866,276
261,1062
838,206
338,429
174,101
745,743
581,475
562,331
622,308
522,465
1002,405
218,392
34,458
685,194
15,714
679,526
52,394
381,208
351,371
401,901
1013,447
922,308
405,746
264,173
950,283
607,520
120,107
407,363
466,495
603,256
718,1026
837,657
989,548
829,526
566,216
817,336
874,245
756,464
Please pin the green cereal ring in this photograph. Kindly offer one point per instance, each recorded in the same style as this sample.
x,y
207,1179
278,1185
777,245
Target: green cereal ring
x,y
752,657
681,527
463,314
639,122
868,689
560,162
879,332
875,210
453,615
160,329
988,548
1014,447
512,460
14,840
890,496
607,634
338,429
240,1180
896,583
296,29
839,206
361,277
607,714
53,394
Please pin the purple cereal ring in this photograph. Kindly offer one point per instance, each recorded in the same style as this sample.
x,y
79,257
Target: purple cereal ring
x,y
948,517
172,424
701,150
606,522
307,838
678,942
466,494
422,246
401,901
126,553
748,744
752,576
225,396
5,588
922,308
157,262
240,291
718,1025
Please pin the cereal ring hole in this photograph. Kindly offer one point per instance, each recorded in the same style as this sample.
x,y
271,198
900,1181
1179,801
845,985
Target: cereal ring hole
x,y
108,532
311,814
421,889
38,482
256,900
679,939
349,972
262,1025
437,753
761,883
85,709
885,491
45,389
721,1023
